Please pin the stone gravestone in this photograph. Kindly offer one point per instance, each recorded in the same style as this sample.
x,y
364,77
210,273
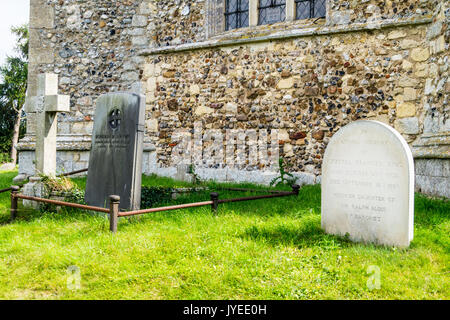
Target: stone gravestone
x,y
368,185
115,163
46,104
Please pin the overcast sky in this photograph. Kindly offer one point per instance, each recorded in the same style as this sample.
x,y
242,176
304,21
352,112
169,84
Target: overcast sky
x,y
12,13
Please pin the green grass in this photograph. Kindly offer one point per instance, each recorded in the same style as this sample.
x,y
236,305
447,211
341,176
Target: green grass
x,y
265,249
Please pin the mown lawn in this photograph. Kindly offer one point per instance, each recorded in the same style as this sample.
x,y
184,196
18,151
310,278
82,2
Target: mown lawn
x,y
265,249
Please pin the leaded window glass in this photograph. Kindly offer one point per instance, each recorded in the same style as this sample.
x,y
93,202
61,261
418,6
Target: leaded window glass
x,y
271,11
306,9
236,14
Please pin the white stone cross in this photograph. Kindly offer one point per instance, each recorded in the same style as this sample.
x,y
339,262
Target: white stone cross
x,y
47,104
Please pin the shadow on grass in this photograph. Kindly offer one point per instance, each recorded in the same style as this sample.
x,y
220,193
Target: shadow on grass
x,y
306,234
430,214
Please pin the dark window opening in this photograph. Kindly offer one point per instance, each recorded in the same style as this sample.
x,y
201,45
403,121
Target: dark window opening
x,y
236,14
271,11
307,9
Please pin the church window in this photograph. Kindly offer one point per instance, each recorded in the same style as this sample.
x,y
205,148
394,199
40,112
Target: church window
x,y
236,14
307,9
271,11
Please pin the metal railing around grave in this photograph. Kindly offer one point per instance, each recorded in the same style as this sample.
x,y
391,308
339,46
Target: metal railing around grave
x,y
115,214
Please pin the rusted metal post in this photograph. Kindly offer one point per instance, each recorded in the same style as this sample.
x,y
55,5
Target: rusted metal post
x,y
14,206
215,200
114,202
296,189
5,190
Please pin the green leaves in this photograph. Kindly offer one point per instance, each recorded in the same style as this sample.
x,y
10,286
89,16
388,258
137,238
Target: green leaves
x,y
284,178
150,196
22,45
13,87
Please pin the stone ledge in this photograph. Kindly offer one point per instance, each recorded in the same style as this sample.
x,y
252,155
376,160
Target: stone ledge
x,y
68,143
234,175
432,146
227,40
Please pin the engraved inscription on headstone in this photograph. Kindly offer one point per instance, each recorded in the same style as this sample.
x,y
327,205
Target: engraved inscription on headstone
x,y
115,163
368,184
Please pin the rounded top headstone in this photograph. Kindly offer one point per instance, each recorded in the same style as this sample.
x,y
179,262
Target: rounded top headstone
x,y
368,185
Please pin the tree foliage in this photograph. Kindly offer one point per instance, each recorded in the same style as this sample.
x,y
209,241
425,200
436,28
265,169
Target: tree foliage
x,y
13,86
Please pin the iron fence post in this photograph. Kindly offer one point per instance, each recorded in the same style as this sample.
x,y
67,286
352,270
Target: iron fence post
x,y
114,202
14,206
215,200
296,189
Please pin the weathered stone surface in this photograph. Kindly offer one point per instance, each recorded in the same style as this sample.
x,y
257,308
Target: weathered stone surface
x,y
396,34
339,18
20,179
285,83
139,21
46,104
368,185
408,82
433,176
172,104
409,94
435,29
41,55
406,65
311,91
194,89
434,144
35,188
152,125
406,109
420,54
183,173
318,135
285,74
241,117
408,44
201,110
421,70
115,163
169,74
297,135
437,46
41,15
407,125
231,108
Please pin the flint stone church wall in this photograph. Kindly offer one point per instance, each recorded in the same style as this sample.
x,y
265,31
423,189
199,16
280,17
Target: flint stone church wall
x,y
381,60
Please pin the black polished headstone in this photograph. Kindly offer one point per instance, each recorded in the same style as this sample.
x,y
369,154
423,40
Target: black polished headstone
x,y
115,163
